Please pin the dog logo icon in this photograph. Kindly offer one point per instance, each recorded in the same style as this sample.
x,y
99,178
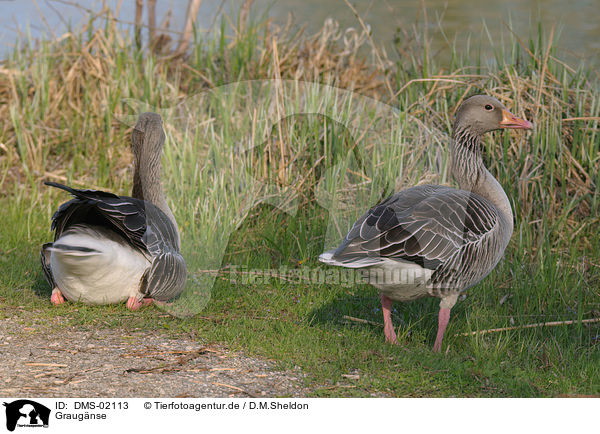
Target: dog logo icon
x,y
26,413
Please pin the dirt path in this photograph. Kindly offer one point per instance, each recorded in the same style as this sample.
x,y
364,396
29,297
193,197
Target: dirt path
x,y
43,360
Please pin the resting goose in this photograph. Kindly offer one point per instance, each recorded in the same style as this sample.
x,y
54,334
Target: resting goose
x,y
109,248
435,240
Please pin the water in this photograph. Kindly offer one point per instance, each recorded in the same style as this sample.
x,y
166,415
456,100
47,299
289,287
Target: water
x,y
577,21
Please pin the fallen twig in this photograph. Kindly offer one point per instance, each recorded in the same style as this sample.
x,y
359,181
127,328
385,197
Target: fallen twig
x,y
528,326
364,321
50,365
149,352
239,389
48,374
501,329
338,386
176,366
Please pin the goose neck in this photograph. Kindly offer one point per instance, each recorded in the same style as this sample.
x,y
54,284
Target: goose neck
x,y
146,180
472,175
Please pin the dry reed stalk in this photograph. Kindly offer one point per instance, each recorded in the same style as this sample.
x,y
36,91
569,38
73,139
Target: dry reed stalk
x,y
382,65
280,110
139,10
543,72
152,22
582,118
108,13
331,56
244,15
190,19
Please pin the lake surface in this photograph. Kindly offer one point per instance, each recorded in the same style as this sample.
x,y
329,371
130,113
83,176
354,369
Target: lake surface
x,y
577,21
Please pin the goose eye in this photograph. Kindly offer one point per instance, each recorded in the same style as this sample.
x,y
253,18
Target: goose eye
x,y
489,107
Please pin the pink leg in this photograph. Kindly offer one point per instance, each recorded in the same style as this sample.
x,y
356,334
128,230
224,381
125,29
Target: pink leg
x,y
388,327
443,318
134,304
57,298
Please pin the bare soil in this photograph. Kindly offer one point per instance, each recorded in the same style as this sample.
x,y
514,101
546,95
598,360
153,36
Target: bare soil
x,y
41,359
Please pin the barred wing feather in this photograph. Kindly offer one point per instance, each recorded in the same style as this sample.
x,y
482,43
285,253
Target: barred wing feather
x,y
429,225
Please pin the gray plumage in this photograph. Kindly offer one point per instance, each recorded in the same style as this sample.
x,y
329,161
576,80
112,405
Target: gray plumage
x,y
451,238
450,232
109,248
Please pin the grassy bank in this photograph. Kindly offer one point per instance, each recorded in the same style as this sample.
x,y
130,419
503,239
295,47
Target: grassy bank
x,y
276,141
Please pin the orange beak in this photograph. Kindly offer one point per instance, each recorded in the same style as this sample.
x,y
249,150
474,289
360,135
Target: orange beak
x,y
511,121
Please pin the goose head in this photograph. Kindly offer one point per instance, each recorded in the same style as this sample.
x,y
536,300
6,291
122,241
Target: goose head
x,y
481,114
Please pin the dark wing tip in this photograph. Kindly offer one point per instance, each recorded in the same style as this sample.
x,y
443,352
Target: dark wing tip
x,y
60,186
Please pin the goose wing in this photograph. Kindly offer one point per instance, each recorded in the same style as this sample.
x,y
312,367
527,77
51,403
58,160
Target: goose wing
x,y
45,259
141,223
166,277
428,225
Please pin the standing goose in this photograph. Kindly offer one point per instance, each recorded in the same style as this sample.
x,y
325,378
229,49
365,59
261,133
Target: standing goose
x,y
435,240
109,248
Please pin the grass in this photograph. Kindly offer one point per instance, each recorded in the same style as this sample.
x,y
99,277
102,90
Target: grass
x,y
265,174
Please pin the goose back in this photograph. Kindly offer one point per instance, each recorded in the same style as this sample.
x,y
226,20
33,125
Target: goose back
x,y
140,223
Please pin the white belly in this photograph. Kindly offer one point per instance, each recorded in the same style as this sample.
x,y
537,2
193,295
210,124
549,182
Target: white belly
x,y
110,273
401,280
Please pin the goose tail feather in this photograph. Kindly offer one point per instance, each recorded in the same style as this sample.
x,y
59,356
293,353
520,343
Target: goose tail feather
x,y
329,258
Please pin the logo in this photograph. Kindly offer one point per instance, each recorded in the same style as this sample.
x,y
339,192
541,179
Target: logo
x,y
26,413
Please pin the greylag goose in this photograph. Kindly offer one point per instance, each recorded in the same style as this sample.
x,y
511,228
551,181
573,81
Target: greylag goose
x,y
435,240
109,248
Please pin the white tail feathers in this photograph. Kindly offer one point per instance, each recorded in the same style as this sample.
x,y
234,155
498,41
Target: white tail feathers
x,y
327,257
66,250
